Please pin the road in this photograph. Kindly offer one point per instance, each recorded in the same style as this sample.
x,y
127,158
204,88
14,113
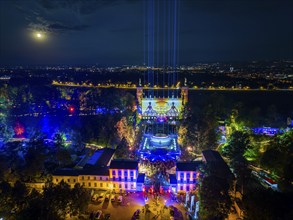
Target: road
x,y
133,87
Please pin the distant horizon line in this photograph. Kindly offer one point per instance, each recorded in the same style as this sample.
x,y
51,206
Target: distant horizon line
x,y
141,65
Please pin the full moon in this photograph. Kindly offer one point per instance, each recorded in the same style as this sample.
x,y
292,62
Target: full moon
x,y
39,36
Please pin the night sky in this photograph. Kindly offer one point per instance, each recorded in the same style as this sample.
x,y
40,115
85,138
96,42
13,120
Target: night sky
x,y
109,32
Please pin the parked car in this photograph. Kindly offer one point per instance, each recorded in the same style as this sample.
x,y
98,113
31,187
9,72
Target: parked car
x,y
95,197
100,199
101,194
112,198
107,216
92,215
107,197
98,214
120,198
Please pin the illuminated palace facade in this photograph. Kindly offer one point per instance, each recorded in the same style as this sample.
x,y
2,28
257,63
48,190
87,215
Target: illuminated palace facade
x,y
123,175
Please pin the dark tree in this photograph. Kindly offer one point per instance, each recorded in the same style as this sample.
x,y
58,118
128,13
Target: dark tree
x,y
34,162
215,201
122,150
264,204
80,198
63,156
6,202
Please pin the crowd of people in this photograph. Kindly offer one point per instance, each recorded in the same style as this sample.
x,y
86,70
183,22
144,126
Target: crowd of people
x,y
156,167
157,172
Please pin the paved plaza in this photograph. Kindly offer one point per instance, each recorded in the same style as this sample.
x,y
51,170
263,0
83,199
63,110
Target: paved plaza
x,y
135,201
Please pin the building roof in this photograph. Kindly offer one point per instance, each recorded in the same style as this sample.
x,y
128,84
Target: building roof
x,y
140,178
217,164
173,179
99,171
66,172
101,157
212,156
124,164
95,157
188,166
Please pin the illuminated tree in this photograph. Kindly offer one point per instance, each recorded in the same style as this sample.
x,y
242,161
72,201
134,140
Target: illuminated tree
x,y
125,130
6,130
182,132
18,129
278,157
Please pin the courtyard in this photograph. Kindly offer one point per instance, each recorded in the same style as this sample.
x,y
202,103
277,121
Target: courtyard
x,y
149,209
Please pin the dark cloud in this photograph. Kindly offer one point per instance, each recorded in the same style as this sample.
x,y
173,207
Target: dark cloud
x,y
60,27
46,26
84,7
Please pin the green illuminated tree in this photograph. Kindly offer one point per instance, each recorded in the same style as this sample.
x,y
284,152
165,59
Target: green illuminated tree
x,y
238,143
279,157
